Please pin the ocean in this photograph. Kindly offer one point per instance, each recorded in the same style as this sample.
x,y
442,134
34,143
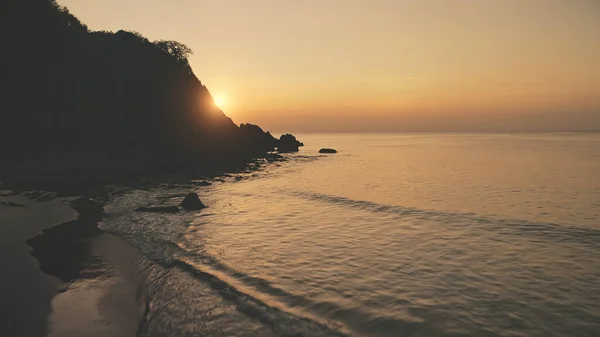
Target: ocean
x,y
395,235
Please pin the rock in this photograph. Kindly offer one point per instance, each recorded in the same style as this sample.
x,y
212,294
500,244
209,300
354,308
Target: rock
x,y
158,209
326,150
204,183
288,143
192,202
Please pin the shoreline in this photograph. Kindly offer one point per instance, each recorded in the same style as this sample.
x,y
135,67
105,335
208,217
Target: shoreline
x,y
26,291
62,275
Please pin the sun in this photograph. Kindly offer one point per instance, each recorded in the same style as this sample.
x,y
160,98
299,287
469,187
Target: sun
x,y
220,101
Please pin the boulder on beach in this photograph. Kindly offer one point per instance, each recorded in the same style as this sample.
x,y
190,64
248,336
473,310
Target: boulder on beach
x,y
192,202
326,150
158,209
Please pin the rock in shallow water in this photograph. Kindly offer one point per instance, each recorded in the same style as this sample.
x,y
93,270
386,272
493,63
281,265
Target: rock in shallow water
x,y
288,143
158,209
326,150
192,202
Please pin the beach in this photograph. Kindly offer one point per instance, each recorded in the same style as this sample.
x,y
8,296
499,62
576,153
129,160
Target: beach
x,y
61,275
25,290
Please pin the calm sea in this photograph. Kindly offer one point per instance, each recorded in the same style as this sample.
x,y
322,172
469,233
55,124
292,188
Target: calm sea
x,y
396,235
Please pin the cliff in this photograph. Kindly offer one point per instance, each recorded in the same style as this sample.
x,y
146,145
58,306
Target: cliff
x,y
72,93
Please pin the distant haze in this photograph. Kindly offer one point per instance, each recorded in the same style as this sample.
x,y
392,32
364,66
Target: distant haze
x,y
383,65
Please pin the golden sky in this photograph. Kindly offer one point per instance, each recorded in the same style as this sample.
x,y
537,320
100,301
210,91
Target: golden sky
x,y
382,65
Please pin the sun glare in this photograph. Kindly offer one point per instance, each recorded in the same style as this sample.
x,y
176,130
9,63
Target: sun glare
x,y
220,101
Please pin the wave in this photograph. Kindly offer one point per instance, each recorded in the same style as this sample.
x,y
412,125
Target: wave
x,y
534,230
157,235
161,239
287,314
263,304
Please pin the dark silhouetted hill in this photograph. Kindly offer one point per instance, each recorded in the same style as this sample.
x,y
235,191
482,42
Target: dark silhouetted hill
x,y
77,95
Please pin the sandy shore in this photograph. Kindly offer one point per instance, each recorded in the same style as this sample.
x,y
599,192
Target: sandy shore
x,y
25,291
62,276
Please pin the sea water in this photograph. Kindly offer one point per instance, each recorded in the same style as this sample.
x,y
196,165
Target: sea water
x,y
395,235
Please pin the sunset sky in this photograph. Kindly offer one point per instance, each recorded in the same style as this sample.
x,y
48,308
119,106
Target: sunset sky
x,y
382,65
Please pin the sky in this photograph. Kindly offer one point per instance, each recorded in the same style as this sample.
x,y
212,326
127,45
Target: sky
x,y
382,65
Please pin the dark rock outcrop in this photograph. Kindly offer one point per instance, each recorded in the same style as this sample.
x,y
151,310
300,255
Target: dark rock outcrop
x,y
326,150
288,143
158,209
253,134
192,202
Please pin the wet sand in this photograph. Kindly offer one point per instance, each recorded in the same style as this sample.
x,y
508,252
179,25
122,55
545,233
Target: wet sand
x,y
25,291
62,276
